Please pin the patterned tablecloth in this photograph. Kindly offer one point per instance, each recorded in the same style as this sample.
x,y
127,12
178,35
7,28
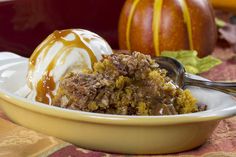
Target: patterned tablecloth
x,y
16,141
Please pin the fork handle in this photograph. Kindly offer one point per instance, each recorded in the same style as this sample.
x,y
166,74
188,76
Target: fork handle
x,y
226,87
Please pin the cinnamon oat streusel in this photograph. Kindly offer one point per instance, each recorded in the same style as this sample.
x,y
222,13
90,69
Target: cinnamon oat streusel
x,y
126,84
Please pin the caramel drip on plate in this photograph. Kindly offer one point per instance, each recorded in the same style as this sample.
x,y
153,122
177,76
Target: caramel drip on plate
x,y
187,20
156,25
130,17
47,85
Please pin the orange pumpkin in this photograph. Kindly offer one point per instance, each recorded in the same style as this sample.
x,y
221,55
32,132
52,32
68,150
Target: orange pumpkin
x,y
151,26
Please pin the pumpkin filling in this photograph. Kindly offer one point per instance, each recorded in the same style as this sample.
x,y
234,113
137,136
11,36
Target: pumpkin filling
x,y
124,84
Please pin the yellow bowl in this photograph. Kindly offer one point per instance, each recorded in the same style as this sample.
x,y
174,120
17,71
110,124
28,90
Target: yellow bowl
x,y
111,133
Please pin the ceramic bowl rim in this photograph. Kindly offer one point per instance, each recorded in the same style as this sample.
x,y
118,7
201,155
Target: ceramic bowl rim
x,y
209,115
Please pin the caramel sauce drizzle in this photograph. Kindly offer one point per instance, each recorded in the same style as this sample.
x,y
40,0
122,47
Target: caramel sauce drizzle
x,y
47,85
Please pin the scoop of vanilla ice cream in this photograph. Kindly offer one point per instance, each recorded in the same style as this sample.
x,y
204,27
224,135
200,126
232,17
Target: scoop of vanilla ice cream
x,y
60,52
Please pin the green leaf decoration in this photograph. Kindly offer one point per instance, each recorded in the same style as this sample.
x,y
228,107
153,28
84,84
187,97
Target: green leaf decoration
x,y
191,62
220,23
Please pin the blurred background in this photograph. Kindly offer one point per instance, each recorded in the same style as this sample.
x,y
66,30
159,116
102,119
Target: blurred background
x,y
25,23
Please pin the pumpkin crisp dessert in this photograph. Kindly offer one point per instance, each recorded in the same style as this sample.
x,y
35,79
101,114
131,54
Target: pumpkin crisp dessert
x,y
124,84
